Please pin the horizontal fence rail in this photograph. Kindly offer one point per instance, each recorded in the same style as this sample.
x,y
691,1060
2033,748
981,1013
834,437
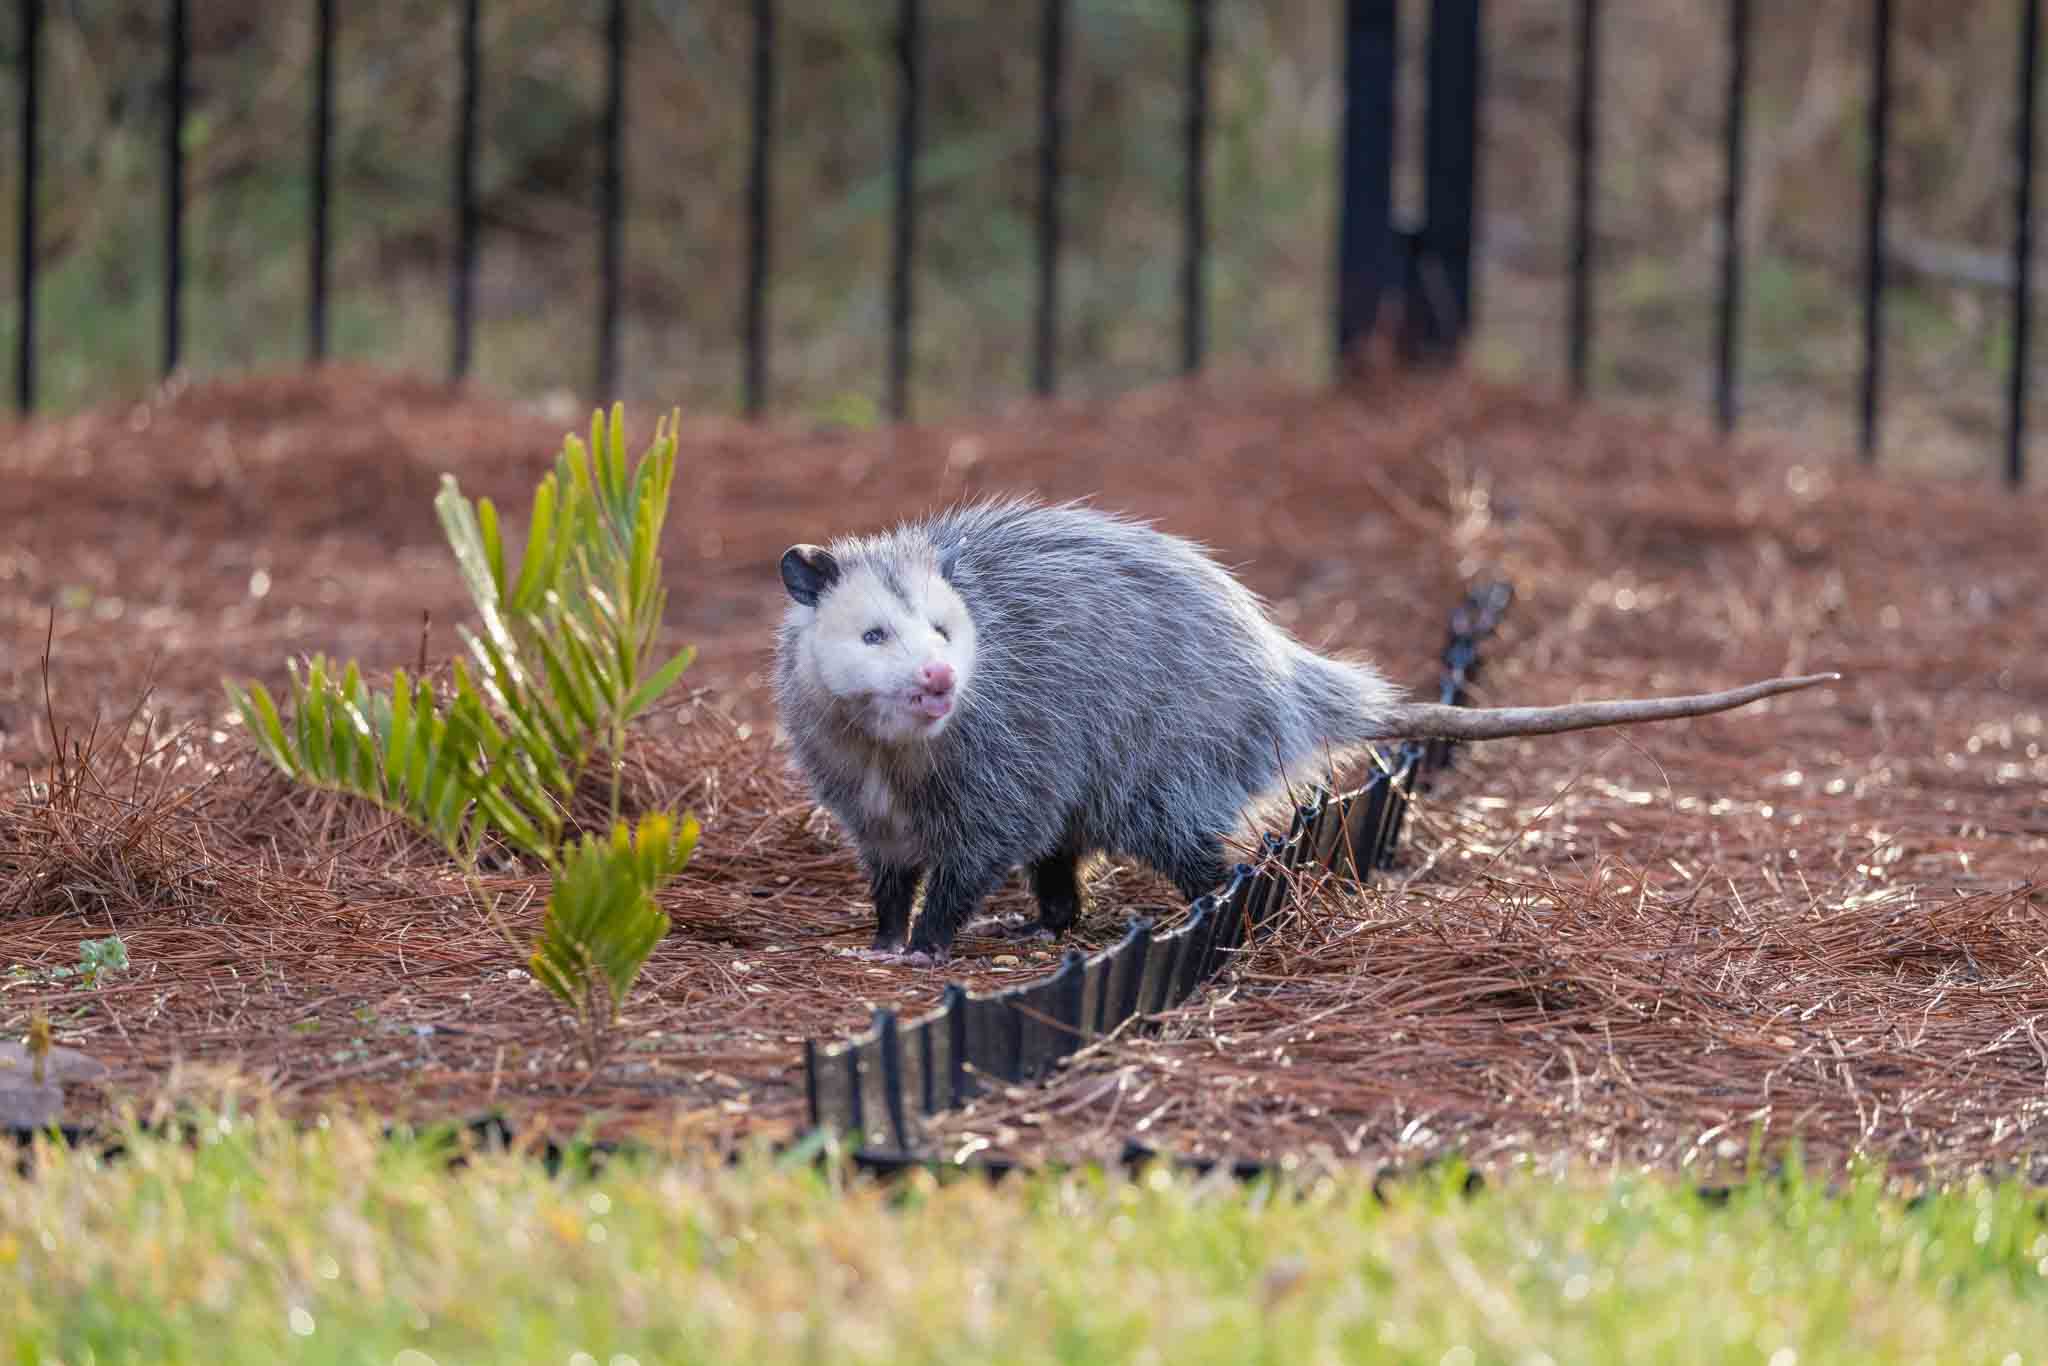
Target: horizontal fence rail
x,y
884,1083
1419,276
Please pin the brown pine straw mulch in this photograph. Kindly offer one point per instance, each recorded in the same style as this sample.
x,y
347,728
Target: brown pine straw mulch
x,y
1822,915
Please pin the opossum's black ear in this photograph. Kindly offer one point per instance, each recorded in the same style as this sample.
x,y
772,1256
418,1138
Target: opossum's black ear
x,y
807,571
948,558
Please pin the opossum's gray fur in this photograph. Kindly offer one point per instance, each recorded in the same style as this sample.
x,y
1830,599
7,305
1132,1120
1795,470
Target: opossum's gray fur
x,y
1127,695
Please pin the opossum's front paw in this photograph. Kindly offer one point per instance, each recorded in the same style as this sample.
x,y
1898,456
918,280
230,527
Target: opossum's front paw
x,y
925,952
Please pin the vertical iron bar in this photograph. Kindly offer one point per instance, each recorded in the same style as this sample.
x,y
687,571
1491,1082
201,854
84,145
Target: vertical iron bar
x,y
1585,146
1451,138
323,126
461,302
1194,189
1366,246
1052,62
2022,250
1730,321
25,240
1873,224
754,339
907,43
176,37
611,203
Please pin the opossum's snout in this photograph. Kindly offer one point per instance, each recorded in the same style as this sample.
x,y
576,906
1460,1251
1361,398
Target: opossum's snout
x,y
933,696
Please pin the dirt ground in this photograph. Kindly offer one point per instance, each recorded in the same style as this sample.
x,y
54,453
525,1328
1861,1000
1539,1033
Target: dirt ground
x,y
1820,917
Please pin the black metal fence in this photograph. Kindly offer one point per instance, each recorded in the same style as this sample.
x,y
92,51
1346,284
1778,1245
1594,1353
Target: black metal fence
x,y
885,1082
1427,268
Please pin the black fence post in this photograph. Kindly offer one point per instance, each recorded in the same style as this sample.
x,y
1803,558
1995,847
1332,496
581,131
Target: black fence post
x,y
25,240
1451,162
611,203
1052,64
1368,263
177,39
1873,225
322,151
461,289
1585,153
1730,320
908,39
754,312
2022,249
1194,189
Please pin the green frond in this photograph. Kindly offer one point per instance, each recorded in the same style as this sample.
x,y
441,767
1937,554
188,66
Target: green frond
x,y
601,921
563,657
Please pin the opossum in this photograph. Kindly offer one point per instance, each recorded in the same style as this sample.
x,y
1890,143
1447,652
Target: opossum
x,y
1015,684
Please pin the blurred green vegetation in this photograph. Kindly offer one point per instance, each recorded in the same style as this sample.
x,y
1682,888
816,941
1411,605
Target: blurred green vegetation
x,y
1276,96
238,1238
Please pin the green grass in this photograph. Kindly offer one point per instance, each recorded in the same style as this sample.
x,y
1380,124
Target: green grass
x,y
265,1243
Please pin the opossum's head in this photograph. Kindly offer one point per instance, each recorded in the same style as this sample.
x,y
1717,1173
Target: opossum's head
x,y
886,636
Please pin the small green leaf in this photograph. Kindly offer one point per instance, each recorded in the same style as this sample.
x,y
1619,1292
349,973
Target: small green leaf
x,y
657,683
572,695
465,538
259,713
494,549
534,564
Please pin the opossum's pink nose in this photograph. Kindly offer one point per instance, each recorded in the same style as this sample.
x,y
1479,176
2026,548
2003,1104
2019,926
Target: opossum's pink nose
x,y
936,677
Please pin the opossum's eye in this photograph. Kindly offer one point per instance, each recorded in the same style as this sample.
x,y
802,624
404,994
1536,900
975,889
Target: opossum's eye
x,y
944,634
874,635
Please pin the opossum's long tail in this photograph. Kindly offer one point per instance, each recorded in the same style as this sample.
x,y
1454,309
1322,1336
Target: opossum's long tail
x,y
1431,721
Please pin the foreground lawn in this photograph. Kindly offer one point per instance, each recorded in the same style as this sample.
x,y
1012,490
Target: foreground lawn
x,y
260,1243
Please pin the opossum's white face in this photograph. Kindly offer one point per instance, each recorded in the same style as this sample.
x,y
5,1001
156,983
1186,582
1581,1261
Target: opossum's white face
x,y
897,646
